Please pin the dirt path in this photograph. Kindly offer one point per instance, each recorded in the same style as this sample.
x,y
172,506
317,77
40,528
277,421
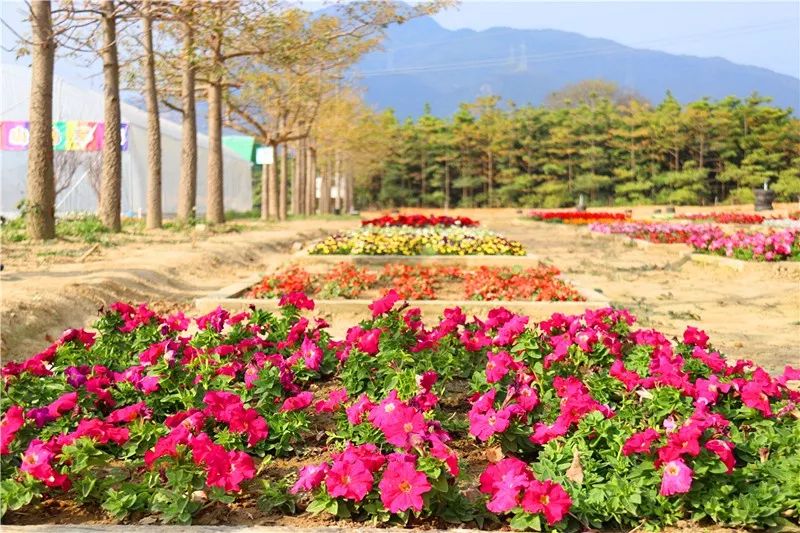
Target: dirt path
x,y
42,298
753,314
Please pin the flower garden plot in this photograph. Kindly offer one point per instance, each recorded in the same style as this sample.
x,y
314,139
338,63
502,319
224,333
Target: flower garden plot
x,y
348,289
575,217
419,221
411,241
768,246
411,282
577,422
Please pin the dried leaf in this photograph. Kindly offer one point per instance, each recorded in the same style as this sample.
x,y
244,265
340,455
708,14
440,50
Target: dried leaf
x,y
575,470
494,455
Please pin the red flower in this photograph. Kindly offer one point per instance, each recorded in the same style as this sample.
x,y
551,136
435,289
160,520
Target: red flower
x,y
297,300
12,421
504,481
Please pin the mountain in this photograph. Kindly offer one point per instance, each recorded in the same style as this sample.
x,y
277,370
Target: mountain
x,y
422,62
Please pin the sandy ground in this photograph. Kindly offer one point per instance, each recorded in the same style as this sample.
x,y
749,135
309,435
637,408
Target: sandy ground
x,y
754,314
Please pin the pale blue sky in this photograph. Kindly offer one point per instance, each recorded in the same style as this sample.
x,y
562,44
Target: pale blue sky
x,y
765,34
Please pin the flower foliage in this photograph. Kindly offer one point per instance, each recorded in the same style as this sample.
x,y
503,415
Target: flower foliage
x,y
420,221
589,422
404,240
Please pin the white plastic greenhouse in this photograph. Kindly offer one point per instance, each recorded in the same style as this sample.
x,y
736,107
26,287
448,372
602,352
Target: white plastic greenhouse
x,y
72,103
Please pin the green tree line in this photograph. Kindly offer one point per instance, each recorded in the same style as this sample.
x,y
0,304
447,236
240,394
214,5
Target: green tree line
x,y
611,147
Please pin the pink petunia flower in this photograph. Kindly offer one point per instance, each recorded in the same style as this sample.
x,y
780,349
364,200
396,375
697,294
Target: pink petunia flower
x,y
350,480
484,425
497,366
676,478
310,477
640,442
298,402
402,487
297,300
12,421
504,481
333,402
385,304
724,451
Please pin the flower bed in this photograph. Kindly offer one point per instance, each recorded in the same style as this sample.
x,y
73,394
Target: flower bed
x,y
417,241
580,422
420,221
783,245
414,282
724,218
576,217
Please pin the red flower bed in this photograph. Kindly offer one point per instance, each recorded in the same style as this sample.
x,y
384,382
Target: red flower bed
x,y
724,218
576,217
413,282
419,221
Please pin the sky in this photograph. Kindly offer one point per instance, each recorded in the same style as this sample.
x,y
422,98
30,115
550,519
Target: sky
x,y
764,34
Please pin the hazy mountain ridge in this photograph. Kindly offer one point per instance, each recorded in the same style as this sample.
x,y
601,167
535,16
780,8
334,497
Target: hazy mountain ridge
x,y
423,62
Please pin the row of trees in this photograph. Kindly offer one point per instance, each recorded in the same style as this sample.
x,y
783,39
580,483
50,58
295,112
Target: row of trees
x,y
263,67
591,139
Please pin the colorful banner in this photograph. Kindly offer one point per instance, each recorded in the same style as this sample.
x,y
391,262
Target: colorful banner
x,y
75,135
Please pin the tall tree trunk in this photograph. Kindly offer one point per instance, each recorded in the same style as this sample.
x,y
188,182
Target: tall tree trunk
x,y
111,185
490,192
272,187
187,188
337,181
325,189
283,182
297,203
40,219
348,204
311,180
446,186
215,210
265,191
154,216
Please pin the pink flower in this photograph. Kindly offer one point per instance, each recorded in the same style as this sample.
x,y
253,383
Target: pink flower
x,y
128,414
312,354
296,403
296,299
695,337
63,404
383,413
497,366
676,478
402,487
548,498
355,413
250,422
484,425
724,451
640,442
368,341
334,401
310,477
753,396
385,304
36,461
405,427
351,480
229,470
504,481
12,421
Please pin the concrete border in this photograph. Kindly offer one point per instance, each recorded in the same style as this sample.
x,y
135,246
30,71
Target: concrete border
x,y
157,528
230,298
304,258
741,266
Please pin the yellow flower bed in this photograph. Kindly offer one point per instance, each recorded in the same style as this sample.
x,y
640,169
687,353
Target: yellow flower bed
x,y
417,241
